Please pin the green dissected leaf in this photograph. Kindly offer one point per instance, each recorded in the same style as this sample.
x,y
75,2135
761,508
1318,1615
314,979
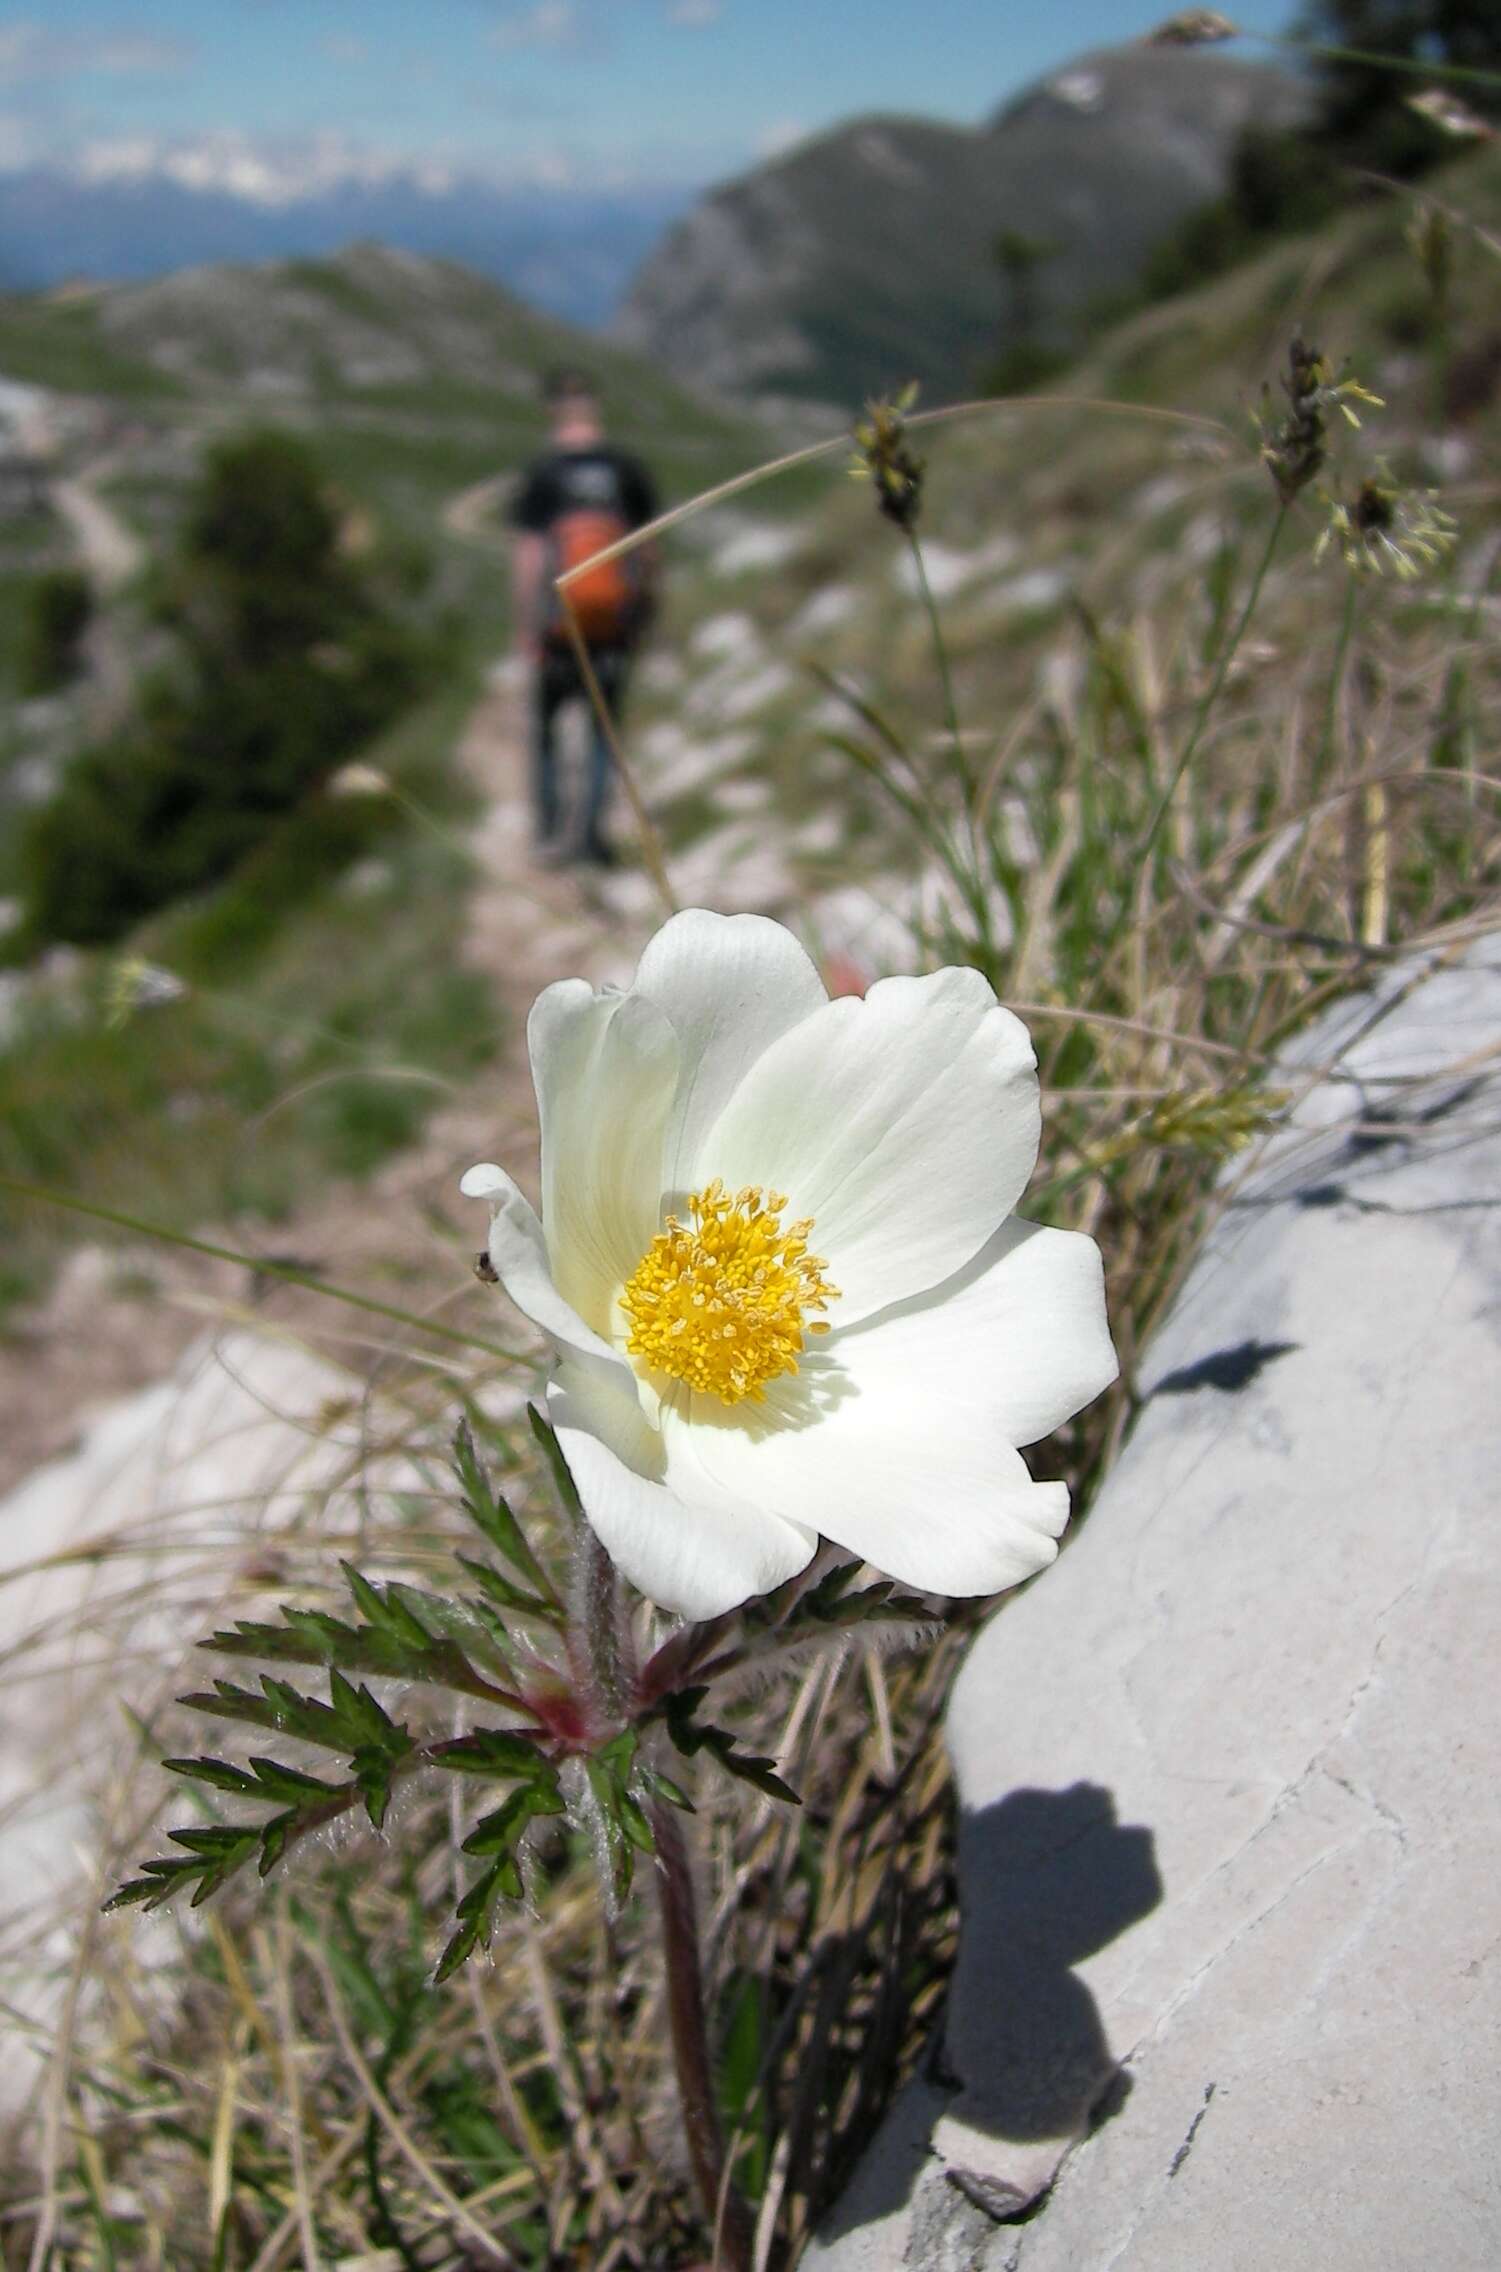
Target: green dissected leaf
x,y
492,1515
830,1603
663,1787
633,1822
387,1613
212,1856
497,1832
689,1735
822,1600
365,1716
408,1635
274,1836
312,1637
493,1752
619,1753
503,1594
476,1912
217,1772
352,1722
372,1772
291,1785
607,1796
352,1718
557,1466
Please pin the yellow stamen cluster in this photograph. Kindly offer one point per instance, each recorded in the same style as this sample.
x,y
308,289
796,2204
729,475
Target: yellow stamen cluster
x,y
721,1302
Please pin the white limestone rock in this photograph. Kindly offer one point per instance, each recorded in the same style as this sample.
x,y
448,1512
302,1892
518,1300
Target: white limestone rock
x,y
1231,1843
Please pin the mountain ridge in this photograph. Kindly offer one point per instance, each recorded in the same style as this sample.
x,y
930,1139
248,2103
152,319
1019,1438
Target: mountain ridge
x,y
569,252
866,255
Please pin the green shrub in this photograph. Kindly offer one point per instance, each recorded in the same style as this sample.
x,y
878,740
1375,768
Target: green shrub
x,y
287,663
58,610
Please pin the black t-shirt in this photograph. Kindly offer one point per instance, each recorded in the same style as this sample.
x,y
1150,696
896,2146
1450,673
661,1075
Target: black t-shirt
x,y
597,479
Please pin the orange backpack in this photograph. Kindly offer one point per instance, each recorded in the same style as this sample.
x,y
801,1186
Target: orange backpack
x,y
605,600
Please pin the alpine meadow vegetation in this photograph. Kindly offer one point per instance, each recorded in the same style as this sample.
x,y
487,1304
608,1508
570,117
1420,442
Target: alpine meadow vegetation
x,y
517,1915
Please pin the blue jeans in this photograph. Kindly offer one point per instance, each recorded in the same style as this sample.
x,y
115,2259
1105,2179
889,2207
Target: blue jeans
x,y
558,682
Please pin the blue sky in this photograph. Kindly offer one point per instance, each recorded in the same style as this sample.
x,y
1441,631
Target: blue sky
x,y
597,92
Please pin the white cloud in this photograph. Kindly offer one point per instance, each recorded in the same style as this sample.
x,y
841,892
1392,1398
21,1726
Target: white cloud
x,y
28,50
279,172
695,13
547,23
263,173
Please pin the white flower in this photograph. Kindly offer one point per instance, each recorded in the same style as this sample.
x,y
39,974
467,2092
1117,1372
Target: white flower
x,y
777,1266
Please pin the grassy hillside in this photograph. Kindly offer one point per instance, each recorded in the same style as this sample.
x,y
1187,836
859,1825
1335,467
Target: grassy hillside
x,y
1055,529
409,381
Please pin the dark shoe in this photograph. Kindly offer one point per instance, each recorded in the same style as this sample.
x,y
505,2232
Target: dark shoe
x,y
599,852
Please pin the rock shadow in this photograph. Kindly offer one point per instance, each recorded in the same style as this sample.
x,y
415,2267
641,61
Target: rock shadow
x,y
1050,1878
1047,1878
1228,1370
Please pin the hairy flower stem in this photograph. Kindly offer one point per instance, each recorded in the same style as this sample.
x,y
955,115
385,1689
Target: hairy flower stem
x,y
609,1677
723,2207
1216,686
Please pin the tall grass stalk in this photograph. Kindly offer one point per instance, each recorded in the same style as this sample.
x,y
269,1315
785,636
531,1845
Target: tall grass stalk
x,y
1216,687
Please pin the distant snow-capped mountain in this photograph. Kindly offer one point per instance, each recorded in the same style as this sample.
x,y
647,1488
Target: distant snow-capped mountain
x,y
126,211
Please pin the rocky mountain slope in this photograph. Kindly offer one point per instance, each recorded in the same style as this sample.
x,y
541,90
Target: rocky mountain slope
x,y
868,256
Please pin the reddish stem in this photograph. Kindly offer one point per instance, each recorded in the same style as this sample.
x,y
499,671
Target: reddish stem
x,y
726,2212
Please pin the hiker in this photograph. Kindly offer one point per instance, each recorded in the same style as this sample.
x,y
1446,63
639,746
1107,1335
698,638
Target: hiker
x,y
578,497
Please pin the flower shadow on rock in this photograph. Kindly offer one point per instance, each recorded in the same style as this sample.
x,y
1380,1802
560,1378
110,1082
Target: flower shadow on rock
x,y
1047,1879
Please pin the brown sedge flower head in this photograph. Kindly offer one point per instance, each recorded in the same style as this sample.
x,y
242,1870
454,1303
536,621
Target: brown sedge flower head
x,y
883,456
1294,447
1385,527
1192,27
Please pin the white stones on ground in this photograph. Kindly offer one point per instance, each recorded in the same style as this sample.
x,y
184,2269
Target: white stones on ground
x,y
1160,495
822,836
869,923
735,869
759,545
746,794
827,611
1229,1772
724,636
1022,847
115,1559
661,673
754,690
674,762
1036,589
949,569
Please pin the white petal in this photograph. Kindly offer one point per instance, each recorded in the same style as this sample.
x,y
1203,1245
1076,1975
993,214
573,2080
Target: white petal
x,y
696,1560
897,1439
484,1181
518,1256
1021,1332
906,1125
729,985
605,1067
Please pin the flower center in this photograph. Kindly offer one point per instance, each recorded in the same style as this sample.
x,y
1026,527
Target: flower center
x,y
721,1302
